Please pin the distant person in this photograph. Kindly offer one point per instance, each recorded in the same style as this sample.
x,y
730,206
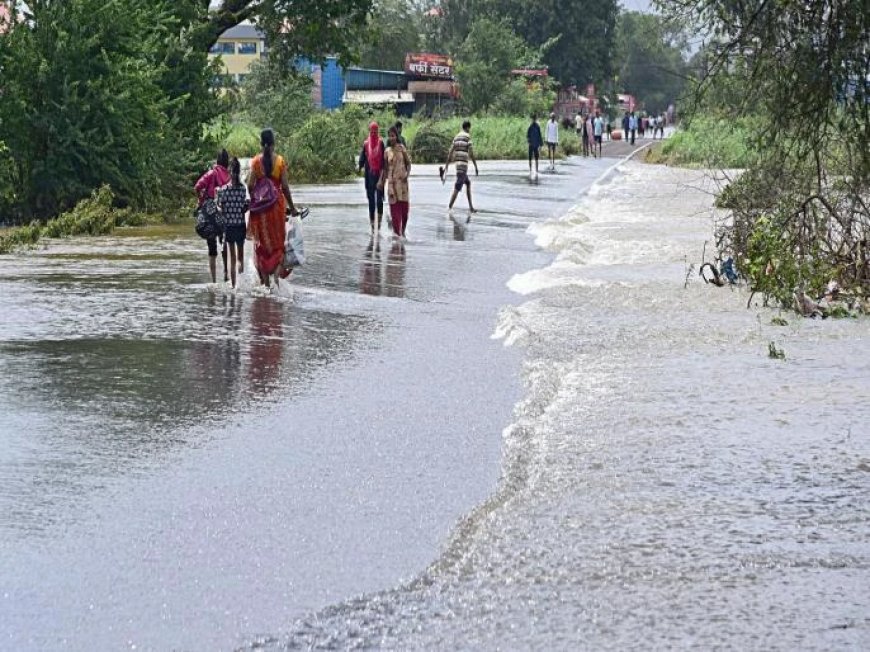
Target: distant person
x,y
660,125
206,189
625,126
371,161
609,128
578,125
460,152
232,202
398,126
266,224
397,168
588,137
632,126
535,140
641,126
598,130
552,139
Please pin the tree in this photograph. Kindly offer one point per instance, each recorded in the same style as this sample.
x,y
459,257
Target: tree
x,y
800,211
585,30
294,28
485,61
270,96
649,60
393,30
89,98
580,32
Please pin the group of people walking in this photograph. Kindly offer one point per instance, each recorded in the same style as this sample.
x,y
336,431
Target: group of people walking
x,y
590,131
267,198
386,166
221,189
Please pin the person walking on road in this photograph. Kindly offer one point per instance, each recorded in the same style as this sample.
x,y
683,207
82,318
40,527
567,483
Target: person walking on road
x,y
632,126
598,130
371,161
625,126
460,152
266,225
232,202
536,141
552,139
206,190
397,168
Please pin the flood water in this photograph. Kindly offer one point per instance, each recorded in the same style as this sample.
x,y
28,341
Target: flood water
x,y
536,429
185,467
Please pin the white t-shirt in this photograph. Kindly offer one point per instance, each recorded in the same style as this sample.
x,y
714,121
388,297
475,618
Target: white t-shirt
x,y
552,131
578,122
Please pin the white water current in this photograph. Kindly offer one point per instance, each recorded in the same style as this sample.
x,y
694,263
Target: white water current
x,y
665,484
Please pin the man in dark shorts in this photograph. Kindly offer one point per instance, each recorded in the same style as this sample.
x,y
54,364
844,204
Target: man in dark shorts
x,y
536,141
460,153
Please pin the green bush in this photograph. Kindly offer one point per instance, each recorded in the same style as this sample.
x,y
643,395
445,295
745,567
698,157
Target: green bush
x,y
242,140
708,142
22,236
325,147
430,143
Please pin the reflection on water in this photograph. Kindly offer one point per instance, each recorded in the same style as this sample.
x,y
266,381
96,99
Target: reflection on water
x,y
377,279
371,273
395,274
267,346
100,379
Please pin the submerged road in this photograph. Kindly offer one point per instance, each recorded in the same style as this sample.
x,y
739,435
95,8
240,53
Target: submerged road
x,y
185,467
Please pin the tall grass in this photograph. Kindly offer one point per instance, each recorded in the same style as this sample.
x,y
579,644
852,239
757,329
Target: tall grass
x,y
326,147
708,142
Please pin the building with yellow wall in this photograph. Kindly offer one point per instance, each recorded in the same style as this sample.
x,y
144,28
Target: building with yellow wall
x,y
238,48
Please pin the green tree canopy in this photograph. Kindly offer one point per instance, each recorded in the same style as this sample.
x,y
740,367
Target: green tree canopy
x,y
649,60
393,29
581,33
89,97
485,60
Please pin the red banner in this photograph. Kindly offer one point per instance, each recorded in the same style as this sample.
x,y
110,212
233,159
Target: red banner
x,y
423,65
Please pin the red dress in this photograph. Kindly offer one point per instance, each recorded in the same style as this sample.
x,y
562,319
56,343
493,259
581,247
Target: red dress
x,y
266,228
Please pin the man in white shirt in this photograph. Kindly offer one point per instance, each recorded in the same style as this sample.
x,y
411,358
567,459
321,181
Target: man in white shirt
x,y
552,139
598,130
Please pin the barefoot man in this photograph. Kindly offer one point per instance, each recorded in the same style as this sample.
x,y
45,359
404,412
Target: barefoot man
x,y
460,152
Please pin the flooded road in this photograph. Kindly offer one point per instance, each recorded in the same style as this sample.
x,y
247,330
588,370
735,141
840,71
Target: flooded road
x,y
184,467
665,484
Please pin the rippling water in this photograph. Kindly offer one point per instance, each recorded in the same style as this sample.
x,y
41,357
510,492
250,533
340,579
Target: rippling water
x,y
186,467
664,483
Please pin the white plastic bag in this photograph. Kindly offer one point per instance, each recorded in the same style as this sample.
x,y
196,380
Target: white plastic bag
x,y
294,248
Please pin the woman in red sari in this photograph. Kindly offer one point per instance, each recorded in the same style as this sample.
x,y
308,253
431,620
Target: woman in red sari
x,y
266,228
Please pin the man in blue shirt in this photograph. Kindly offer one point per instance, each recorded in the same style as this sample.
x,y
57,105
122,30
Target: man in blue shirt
x,y
632,126
536,141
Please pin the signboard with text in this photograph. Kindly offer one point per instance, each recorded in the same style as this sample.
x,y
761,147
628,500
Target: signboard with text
x,y
422,65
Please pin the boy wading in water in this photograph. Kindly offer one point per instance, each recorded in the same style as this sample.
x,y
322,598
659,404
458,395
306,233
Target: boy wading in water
x,y
460,151
232,201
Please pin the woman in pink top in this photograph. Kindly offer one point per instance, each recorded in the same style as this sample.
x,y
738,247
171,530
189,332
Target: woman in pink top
x,y
206,189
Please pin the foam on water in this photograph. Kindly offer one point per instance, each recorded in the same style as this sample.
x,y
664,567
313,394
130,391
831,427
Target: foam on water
x,y
664,483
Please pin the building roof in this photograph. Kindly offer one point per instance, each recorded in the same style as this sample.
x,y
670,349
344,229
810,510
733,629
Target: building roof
x,y
377,97
243,30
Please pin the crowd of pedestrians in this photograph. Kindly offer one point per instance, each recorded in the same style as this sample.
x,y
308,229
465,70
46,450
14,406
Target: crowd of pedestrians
x,y
386,166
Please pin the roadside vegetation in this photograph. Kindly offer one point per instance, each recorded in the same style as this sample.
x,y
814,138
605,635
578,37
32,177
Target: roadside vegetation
x,y
93,215
798,216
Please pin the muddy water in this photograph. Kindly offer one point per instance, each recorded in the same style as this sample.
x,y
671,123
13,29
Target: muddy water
x,y
186,467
